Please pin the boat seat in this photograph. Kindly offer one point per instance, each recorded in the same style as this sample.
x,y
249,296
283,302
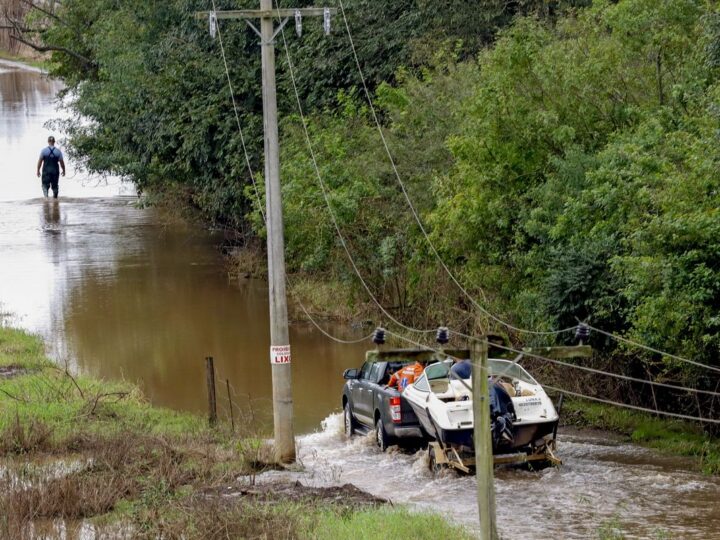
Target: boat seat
x,y
509,388
439,386
456,391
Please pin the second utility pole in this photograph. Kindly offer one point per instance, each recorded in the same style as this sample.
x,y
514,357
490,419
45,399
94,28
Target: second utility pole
x,y
484,468
279,335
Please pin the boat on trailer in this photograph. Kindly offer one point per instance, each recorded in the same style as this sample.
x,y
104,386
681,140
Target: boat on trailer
x,y
524,419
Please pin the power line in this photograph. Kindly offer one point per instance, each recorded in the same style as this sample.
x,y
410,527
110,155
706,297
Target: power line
x,y
437,255
652,349
607,373
634,407
327,334
355,268
414,211
435,252
620,338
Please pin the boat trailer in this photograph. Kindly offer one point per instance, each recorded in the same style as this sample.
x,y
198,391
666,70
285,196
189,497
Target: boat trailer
x,y
463,459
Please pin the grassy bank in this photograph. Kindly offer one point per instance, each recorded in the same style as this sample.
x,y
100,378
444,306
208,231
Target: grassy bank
x,y
79,449
34,62
667,435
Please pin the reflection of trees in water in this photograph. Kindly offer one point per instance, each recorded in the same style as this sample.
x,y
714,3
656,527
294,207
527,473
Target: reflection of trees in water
x,y
155,318
22,91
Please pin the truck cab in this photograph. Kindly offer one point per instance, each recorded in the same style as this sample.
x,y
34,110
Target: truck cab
x,y
369,405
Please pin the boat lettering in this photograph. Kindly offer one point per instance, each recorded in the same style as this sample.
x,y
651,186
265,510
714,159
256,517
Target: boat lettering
x,y
532,402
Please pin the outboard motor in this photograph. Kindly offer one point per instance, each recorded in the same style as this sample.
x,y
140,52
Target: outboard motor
x,y
502,414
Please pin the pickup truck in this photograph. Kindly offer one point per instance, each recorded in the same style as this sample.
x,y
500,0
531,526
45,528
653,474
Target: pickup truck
x,y
369,405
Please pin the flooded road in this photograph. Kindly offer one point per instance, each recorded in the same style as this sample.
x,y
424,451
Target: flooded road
x,y
603,486
123,292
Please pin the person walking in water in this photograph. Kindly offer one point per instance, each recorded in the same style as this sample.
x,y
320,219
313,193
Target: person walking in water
x,y
51,160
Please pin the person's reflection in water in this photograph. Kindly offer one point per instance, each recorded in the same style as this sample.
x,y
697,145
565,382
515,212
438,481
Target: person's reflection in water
x,y
53,230
51,216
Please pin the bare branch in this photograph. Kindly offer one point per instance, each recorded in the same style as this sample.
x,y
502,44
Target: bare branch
x,y
46,48
42,10
120,395
23,29
8,394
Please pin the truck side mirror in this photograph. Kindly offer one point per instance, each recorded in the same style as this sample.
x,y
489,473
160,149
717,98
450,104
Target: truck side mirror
x,y
350,374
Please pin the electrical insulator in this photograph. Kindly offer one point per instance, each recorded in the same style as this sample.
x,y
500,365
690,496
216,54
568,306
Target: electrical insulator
x,y
213,24
298,22
442,336
582,332
379,336
326,21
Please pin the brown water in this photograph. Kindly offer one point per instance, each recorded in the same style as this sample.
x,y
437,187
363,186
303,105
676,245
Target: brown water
x,y
118,291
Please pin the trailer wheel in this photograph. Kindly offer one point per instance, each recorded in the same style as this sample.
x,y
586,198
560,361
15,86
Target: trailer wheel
x,y
381,436
435,467
348,421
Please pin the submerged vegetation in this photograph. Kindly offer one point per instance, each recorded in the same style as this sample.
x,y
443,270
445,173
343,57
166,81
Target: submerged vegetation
x,y
562,155
75,448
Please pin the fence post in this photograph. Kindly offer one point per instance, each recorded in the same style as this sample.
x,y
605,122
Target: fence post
x,y
232,414
212,402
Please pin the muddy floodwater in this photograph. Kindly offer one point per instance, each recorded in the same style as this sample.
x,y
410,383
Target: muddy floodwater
x,y
602,486
123,292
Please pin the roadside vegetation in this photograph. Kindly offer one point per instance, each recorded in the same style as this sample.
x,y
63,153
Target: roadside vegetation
x,y
30,61
75,448
563,156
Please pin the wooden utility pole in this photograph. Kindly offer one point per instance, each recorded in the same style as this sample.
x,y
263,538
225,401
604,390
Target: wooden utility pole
x,y
482,438
279,335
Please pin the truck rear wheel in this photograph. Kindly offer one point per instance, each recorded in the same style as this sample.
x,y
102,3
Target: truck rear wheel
x,y
381,436
348,421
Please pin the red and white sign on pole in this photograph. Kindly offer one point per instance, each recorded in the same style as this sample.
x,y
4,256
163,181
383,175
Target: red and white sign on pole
x,y
280,354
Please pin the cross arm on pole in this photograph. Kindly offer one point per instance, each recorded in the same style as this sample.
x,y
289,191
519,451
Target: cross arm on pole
x,y
266,13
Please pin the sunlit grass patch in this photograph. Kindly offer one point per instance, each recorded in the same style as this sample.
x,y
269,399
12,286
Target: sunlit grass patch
x,y
20,349
380,523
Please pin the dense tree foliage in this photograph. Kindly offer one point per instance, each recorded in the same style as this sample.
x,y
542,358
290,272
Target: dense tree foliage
x,y
563,156
569,173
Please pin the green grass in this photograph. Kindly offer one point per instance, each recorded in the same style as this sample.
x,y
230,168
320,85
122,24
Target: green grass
x,y
66,404
667,435
34,62
383,523
21,349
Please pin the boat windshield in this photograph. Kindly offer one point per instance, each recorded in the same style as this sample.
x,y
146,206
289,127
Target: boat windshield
x,y
505,368
438,370
498,368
